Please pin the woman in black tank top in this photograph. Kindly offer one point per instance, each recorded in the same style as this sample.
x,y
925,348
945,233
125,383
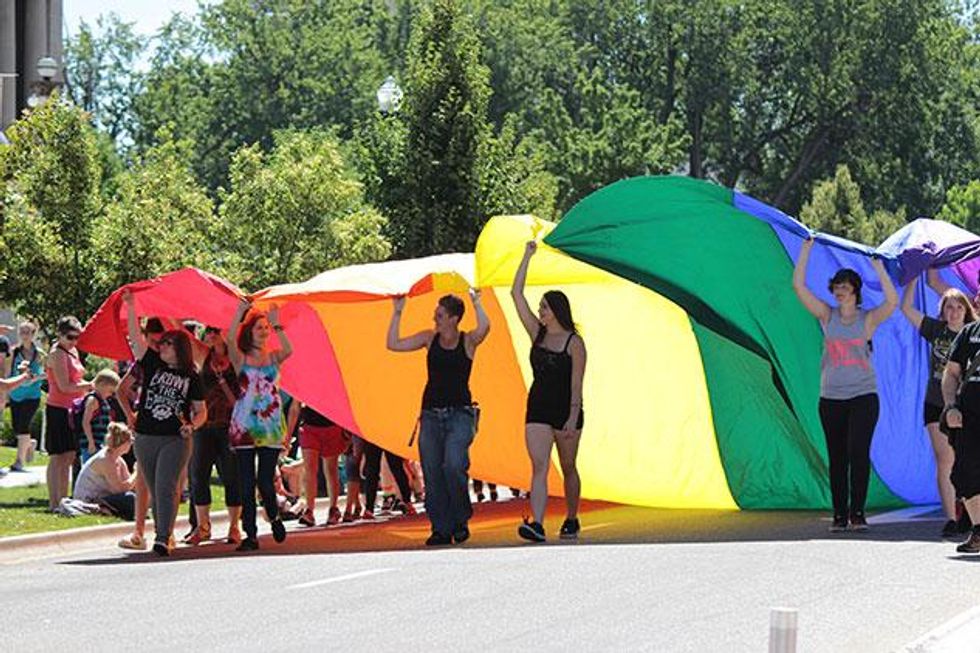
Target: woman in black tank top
x,y
447,424
554,402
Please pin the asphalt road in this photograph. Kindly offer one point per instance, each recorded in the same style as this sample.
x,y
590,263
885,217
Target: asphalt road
x,y
639,579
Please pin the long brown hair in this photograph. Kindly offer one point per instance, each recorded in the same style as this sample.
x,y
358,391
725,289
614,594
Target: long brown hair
x,y
182,349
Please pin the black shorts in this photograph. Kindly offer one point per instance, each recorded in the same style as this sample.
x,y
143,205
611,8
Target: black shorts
x,y
554,415
930,413
21,414
57,436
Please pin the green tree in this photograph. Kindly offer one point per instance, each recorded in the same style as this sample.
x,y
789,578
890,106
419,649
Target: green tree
x,y
962,206
51,176
158,220
836,207
437,168
101,73
241,70
294,212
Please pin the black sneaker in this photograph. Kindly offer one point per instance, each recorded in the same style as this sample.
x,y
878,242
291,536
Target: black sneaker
x,y
461,534
858,522
839,525
972,545
248,544
278,531
570,529
161,549
964,524
438,539
532,531
950,529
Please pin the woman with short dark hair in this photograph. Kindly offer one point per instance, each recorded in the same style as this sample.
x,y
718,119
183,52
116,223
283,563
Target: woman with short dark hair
x,y
65,373
848,386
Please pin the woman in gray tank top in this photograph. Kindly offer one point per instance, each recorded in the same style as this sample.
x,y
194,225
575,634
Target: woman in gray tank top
x,y
848,386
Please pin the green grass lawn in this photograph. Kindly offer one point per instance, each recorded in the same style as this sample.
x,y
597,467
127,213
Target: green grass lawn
x,y
24,510
9,454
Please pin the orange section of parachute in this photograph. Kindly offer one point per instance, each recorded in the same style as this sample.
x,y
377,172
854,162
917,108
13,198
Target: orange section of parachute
x,y
384,388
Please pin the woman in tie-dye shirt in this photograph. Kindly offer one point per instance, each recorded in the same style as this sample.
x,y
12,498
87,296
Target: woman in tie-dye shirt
x,y
257,429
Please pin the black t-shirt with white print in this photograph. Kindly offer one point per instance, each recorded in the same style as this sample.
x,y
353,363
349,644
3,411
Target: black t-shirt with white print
x,y
965,348
941,336
165,396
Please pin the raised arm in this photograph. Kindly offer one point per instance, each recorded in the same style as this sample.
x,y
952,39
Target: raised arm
x,y
935,281
478,335
887,307
234,354
136,340
577,350
411,343
817,308
909,310
286,348
528,319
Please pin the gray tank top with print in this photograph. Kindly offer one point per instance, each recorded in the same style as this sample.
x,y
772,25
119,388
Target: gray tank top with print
x,y
846,370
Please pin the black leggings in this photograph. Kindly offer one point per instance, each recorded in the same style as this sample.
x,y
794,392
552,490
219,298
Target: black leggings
x,y
211,449
268,457
848,425
372,472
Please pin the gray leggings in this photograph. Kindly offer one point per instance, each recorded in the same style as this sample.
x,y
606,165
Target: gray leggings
x,y
162,457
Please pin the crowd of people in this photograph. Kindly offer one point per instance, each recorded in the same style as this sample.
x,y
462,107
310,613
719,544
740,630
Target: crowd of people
x,y
187,405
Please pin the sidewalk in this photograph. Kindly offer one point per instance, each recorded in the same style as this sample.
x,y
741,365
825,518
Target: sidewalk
x,y
30,476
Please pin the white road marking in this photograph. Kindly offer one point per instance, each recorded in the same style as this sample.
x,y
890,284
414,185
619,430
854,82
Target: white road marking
x,y
958,634
592,527
337,579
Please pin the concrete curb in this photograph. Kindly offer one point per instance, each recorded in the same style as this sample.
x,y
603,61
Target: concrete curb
x,y
74,540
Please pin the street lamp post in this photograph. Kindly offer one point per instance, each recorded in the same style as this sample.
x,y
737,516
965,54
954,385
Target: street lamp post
x,y
47,68
389,96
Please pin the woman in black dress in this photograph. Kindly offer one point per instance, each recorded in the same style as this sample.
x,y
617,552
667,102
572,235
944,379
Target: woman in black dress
x,y
554,402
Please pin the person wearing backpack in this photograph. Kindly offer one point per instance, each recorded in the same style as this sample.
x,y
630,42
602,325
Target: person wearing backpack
x,y
25,400
65,374
98,408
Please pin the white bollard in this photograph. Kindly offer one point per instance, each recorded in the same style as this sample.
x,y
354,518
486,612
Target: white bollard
x,y
782,630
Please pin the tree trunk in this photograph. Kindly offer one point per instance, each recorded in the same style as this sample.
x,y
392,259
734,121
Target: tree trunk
x,y
810,151
696,123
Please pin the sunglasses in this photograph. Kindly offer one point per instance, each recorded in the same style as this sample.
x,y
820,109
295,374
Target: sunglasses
x,y
166,341
71,336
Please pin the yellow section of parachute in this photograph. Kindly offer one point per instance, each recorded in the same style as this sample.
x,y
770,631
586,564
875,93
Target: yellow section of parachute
x,y
648,437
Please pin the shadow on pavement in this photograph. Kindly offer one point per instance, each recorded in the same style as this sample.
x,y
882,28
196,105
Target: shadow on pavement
x,y
495,525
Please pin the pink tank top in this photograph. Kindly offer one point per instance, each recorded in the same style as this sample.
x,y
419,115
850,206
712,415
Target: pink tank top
x,y
76,372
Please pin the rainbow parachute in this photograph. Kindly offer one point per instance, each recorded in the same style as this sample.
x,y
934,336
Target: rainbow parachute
x,y
703,373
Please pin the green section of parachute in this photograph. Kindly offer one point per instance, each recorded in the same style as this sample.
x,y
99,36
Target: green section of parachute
x,y
684,239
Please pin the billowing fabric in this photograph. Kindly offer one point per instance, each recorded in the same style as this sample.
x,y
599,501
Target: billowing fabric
x,y
703,373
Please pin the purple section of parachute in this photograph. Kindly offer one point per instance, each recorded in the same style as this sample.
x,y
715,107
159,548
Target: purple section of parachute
x,y
900,451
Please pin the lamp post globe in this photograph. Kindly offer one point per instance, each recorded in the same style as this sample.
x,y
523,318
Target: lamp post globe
x,y
389,96
47,67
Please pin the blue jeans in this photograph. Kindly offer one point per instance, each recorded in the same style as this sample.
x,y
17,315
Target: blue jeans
x,y
445,436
